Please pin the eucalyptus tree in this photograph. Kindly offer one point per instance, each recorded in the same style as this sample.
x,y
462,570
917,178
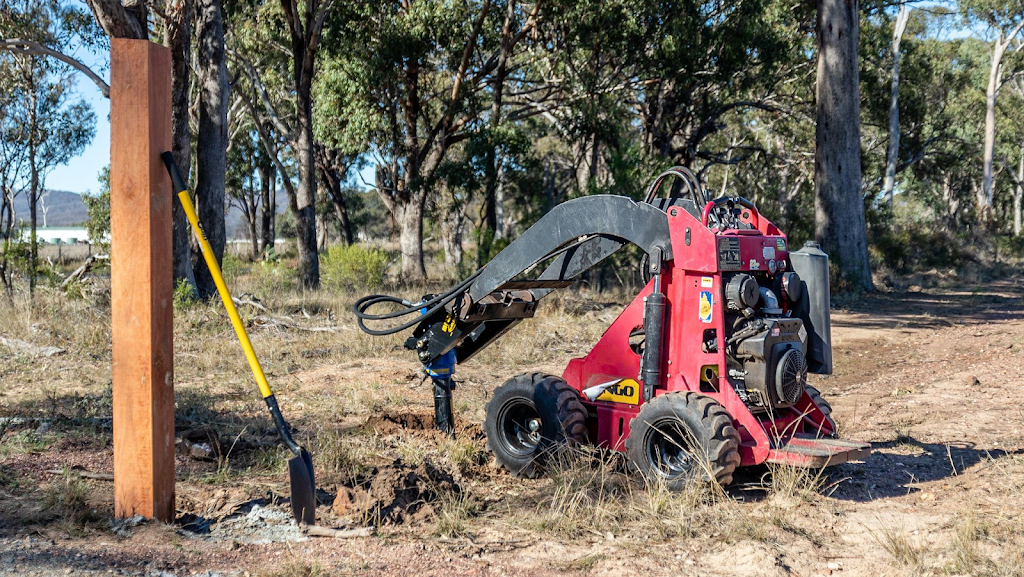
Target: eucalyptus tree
x,y
892,152
1006,19
55,125
838,203
276,46
425,87
212,134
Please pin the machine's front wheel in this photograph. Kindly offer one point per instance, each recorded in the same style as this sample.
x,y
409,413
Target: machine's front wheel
x,y
528,416
678,437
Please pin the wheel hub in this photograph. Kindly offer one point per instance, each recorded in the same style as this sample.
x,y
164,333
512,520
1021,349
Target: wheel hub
x,y
669,446
520,426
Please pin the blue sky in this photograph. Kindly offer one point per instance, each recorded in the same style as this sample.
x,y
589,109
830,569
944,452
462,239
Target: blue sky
x,y
82,173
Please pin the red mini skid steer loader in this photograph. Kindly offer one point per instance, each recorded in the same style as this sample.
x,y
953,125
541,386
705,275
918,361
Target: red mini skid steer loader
x,y
705,371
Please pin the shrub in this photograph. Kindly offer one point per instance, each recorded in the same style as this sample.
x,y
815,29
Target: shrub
x,y
232,267
353,266
184,295
272,277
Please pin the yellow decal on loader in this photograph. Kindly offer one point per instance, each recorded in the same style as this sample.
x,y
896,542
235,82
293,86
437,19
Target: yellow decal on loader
x,y
449,325
625,391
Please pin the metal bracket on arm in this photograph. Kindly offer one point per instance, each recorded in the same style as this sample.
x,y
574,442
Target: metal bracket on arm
x,y
615,220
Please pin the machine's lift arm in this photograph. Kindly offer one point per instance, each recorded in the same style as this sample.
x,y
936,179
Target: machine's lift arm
x,y
577,234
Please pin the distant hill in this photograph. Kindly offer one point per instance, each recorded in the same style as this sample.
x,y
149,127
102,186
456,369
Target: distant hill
x,y
65,208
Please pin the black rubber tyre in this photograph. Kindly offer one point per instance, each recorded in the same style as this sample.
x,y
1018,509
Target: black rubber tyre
x,y
825,408
678,437
530,415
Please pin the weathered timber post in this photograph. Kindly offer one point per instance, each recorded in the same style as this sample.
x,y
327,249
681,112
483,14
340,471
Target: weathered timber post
x,y
141,279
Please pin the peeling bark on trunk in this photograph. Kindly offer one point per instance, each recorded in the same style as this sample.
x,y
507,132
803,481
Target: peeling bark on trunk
x,y
838,204
410,222
893,152
212,140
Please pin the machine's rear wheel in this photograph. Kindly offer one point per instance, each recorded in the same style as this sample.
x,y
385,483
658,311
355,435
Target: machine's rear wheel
x,y
824,407
681,436
530,415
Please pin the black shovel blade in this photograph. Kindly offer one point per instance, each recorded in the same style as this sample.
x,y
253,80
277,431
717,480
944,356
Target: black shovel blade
x,y
300,473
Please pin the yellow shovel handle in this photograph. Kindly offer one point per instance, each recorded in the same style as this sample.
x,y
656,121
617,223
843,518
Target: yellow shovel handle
x,y
218,279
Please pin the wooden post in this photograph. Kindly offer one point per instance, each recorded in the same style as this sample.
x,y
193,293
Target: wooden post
x,y
141,283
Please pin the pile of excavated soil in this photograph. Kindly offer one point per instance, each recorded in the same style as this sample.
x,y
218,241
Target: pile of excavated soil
x,y
395,494
392,423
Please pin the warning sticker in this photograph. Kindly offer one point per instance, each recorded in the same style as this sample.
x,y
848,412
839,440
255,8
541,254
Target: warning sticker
x,y
768,252
705,306
706,282
754,264
780,244
729,254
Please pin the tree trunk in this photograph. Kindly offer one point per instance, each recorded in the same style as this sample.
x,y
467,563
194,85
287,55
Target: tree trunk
x,y
893,153
1018,195
305,37
949,200
254,238
212,140
177,37
991,92
410,222
332,181
838,202
33,191
489,224
267,208
451,219
304,207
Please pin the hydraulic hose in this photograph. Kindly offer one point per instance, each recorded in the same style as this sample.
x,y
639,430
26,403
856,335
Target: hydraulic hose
x,y
433,305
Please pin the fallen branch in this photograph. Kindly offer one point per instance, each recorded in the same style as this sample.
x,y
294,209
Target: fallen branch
x,y
84,474
317,531
248,299
277,322
19,346
83,270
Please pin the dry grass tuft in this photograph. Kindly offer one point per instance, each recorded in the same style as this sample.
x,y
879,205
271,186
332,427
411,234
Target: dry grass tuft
x,y
453,514
907,553
587,493
297,568
788,481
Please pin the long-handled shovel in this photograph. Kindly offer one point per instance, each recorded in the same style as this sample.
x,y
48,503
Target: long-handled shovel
x,y
300,467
